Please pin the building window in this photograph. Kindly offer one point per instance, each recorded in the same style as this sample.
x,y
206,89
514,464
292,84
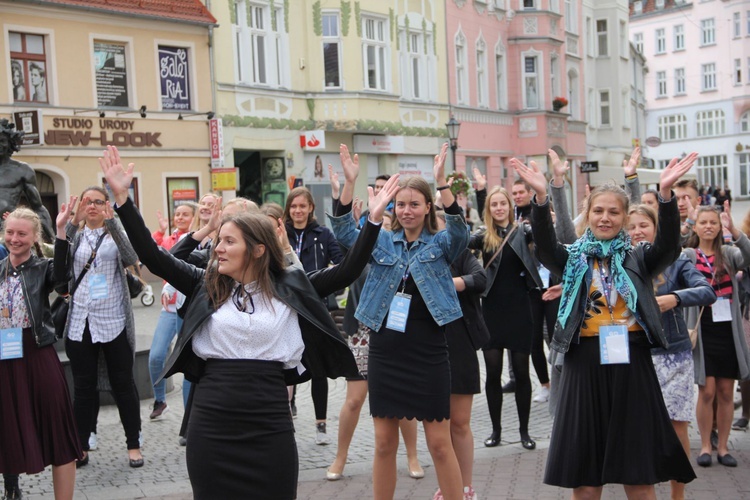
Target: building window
x,y
710,123
482,97
589,37
500,85
573,91
661,84
708,74
554,75
738,71
554,6
375,52
708,32
661,41
531,82
111,72
174,78
624,46
529,4
418,64
679,81
461,71
679,37
744,161
672,127
638,42
712,170
601,38
736,25
571,23
331,50
28,62
262,49
745,122
604,119
747,16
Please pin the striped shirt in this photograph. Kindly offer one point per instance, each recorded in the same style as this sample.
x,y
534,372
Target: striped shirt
x,y
705,264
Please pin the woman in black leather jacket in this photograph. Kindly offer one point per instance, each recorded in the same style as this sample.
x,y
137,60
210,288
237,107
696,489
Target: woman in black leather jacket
x,y
250,330
611,425
37,427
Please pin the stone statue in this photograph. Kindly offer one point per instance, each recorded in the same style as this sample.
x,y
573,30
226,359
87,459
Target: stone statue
x,y
17,178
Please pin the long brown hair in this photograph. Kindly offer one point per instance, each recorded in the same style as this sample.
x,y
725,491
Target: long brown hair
x,y
419,185
716,244
256,229
492,240
305,193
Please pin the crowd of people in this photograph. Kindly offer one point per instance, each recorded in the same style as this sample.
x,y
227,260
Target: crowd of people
x,y
639,298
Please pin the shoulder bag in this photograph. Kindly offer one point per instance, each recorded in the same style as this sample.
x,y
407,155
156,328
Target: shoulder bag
x,y
505,240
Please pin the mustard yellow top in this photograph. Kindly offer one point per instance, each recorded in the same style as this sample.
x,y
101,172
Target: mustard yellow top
x,y
597,311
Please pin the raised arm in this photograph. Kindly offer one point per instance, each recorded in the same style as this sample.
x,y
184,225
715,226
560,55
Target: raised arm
x,y
565,229
351,172
740,253
632,184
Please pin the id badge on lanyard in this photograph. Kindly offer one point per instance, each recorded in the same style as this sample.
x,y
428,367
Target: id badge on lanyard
x,y
721,310
98,286
11,343
614,345
399,312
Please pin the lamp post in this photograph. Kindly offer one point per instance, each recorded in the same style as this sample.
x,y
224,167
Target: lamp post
x,y
453,127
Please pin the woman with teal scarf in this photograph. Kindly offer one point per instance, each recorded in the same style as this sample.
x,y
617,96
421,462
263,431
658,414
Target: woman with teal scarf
x,y
611,424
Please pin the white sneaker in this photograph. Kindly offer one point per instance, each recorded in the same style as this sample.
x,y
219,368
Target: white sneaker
x,y
320,434
93,443
542,396
469,493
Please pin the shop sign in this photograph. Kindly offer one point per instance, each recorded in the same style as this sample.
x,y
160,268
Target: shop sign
x,y
111,74
312,140
653,142
224,179
589,166
174,71
383,144
416,166
30,123
216,137
111,132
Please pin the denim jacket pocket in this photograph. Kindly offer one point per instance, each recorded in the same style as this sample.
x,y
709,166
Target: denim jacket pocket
x,y
383,257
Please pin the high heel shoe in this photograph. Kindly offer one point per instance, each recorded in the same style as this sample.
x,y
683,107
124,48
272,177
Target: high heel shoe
x,y
493,440
83,462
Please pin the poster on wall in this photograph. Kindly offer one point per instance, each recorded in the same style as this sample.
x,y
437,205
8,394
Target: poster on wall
x,y
174,74
111,74
30,123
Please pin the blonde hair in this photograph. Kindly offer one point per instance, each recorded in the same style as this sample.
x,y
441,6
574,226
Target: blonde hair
x,y
492,240
23,213
197,222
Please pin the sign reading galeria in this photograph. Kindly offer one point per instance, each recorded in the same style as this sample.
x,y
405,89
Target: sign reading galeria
x,y
111,74
174,73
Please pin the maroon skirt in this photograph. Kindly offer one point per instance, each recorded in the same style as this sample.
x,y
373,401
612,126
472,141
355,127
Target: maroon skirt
x,y
37,427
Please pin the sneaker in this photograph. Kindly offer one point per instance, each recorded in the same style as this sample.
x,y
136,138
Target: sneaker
x,y
740,424
438,495
93,442
160,408
542,396
320,435
469,493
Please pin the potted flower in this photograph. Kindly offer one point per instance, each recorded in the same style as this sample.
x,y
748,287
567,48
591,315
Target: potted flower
x,y
459,183
558,103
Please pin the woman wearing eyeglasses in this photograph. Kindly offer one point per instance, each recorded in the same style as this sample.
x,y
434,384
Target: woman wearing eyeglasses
x,y
100,318
250,329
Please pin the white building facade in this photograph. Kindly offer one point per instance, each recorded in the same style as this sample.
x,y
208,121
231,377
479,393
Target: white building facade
x,y
698,85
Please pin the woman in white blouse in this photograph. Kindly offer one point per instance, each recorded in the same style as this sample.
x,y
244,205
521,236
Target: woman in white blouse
x,y
100,318
249,331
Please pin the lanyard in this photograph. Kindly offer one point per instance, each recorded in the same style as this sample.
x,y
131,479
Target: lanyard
x,y
93,245
406,271
605,278
708,265
298,247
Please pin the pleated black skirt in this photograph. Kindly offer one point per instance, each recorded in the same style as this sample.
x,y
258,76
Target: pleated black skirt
x,y
611,424
240,434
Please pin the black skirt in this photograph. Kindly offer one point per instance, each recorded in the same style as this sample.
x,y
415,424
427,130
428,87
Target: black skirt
x,y
463,359
611,424
240,435
719,353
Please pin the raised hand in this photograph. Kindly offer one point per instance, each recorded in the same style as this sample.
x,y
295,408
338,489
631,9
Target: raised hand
x,y
80,212
479,179
377,203
163,222
333,178
438,167
727,222
357,208
66,210
349,164
630,165
108,212
559,169
533,177
118,177
675,170
282,236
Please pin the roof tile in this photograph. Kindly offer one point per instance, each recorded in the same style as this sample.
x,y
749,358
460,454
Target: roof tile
x,y
191,11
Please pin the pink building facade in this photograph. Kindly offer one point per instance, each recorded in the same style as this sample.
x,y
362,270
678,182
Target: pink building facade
x,y
507,61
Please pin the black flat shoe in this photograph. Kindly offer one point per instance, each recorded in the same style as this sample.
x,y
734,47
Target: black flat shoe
x,y
727,460
83,462
493,440
136,463
528,443
704,460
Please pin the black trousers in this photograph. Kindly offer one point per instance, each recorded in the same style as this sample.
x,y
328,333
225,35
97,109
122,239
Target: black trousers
x,y
84,363
542,312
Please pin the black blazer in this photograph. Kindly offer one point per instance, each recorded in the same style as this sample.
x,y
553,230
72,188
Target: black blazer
x,y
472,323
326,352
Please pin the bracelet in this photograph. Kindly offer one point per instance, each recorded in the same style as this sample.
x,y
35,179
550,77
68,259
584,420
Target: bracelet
x,y
441,188
690,222
631,177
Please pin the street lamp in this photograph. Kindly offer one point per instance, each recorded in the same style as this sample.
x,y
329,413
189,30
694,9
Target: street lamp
x,y
453,127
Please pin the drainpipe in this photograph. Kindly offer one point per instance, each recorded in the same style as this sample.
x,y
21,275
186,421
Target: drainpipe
x,y
212,74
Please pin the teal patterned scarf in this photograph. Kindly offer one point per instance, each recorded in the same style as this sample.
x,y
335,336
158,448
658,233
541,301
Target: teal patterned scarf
x,y
575,269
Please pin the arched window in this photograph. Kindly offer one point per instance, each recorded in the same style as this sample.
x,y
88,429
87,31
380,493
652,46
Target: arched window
x,y
745,121
462,84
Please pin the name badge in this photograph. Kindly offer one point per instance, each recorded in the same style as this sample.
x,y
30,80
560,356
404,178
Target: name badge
x,y
614,348
11,343
544,274
721,310
98,286
399,312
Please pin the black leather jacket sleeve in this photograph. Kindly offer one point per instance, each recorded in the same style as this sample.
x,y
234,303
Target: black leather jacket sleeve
x,y
551,253
666,247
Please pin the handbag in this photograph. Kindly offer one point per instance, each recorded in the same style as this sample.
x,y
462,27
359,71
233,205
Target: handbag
x,y
693,332
61,305
135,283
505,240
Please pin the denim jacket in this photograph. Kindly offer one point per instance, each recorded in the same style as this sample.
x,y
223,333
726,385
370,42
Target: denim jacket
x,y
428,261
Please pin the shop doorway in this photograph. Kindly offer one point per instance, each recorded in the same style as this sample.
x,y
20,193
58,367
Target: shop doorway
x,y
262,176
248,163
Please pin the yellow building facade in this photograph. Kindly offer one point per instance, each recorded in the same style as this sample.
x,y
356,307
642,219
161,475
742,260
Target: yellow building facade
x,y
78,76
294,79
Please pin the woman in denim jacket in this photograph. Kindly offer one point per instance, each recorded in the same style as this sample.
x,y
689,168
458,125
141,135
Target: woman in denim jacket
x,y
409,372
